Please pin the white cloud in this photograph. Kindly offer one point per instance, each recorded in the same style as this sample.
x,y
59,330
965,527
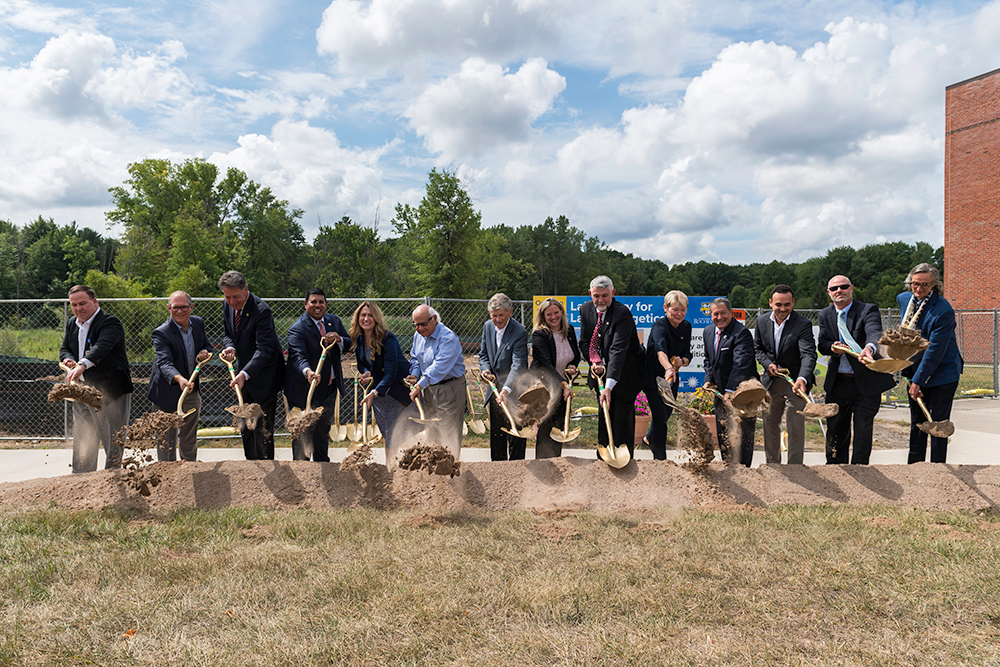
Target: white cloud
x,y
42,18
483,106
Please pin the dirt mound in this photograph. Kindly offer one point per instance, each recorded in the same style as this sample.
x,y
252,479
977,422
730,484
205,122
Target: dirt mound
x,y
435,459
551,487
83,393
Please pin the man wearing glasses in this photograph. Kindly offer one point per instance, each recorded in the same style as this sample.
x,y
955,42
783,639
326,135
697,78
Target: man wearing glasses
x,y
849,383
935,371
437,373
180,344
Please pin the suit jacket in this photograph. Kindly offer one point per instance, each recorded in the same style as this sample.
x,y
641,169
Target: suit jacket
x,y
258,351
865,324
941,363
304,348
507,360
388,368
796,349
672,341
171,360
105,347
734,362
618,343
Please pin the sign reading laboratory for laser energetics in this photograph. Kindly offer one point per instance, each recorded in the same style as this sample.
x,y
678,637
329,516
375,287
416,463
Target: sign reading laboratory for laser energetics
x,y
648,309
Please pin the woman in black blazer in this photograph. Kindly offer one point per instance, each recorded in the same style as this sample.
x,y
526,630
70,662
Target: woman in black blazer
x,y
554,348
380,357
669,339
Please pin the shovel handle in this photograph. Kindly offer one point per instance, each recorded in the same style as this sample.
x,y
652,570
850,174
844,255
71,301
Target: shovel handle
x,y
187,389
783,372
66,369
840,347
232,376
923,407
496,396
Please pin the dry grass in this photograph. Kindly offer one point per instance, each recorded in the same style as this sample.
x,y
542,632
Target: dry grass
x,y
788,586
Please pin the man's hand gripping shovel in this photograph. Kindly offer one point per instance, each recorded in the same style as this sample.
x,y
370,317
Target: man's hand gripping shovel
x,y
190,385
513,430
616,457
246,415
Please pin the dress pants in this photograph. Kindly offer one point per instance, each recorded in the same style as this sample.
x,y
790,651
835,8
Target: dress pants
x,y
318,447
259,443
622,413
166,449
747,426
446,400
660,412
503,446
784,400
938,400
545,446
92,428
838,435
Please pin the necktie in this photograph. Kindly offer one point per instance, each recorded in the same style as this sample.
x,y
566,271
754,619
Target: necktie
x,y
322,329
595,354
236,323
718,337
845,335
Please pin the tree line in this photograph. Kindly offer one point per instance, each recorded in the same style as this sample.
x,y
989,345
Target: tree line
x,y
185,223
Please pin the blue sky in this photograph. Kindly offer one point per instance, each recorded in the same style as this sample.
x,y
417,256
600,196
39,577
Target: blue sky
x,y
732,131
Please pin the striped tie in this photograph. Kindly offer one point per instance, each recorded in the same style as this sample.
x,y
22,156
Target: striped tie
x,y
845,335
595,354
236,323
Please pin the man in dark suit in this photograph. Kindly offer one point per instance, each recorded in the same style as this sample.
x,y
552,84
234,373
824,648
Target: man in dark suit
x,y
849,383
94,350
180,345
251,340
729,360
306,338
503,352
935,372
784,340
610,342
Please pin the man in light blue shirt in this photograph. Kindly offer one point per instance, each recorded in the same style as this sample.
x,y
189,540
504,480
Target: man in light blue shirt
x,y
437,372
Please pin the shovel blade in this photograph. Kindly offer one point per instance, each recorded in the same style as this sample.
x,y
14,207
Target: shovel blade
x,y
559,435
337,433
477,426
889,365
523,433
943,429
616,457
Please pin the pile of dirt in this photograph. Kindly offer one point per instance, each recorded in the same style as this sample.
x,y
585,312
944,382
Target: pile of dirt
x,y
84,393
533,405
435,459
551,487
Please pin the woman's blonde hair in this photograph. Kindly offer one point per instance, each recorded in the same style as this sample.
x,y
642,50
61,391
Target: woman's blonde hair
x,y
378,333
540,322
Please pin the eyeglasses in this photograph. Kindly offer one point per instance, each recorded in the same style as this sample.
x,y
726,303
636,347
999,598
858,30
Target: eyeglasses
x,y
180,307
417,325
922,285
835,288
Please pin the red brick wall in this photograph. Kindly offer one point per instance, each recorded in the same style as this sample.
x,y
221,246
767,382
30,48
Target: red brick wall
x,y
972,193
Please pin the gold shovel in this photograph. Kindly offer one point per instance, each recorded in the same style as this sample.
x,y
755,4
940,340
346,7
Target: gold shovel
x,y
813,409
475,423
338,432
566,435
879,365
247,422
513,430
297,413
368,434
187,389
420,408
616,457
942,429
85,393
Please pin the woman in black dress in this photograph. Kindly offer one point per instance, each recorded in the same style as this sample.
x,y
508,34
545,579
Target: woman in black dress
x,y
668,348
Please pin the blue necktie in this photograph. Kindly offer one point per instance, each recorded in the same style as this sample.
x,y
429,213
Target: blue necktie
x,y
845,335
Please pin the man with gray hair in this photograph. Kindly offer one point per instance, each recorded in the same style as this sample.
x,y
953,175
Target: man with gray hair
x,y
437,373
610,342
251,340
729,360
180,345
935,372
503,352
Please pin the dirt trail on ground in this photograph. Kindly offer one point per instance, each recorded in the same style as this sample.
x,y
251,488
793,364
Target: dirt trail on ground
x,y
549,485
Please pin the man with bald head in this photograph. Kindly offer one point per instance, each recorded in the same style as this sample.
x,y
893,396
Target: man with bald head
x,y
180,344
437,373
849,383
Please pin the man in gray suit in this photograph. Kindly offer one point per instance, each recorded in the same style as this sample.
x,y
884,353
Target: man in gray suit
x,y
784,340
503,352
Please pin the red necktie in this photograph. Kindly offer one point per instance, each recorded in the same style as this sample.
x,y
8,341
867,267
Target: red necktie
x,y
236,323
718,337
595,354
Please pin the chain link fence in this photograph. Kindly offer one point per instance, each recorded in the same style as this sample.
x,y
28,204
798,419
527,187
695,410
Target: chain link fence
x,y
31,333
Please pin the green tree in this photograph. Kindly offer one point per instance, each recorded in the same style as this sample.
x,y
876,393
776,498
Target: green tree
x,y
351,260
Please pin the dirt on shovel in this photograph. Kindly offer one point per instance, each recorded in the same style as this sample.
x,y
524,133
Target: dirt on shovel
x,y
533,405
695,438
901,343
302,423
250,412
84,393
435,459
358,459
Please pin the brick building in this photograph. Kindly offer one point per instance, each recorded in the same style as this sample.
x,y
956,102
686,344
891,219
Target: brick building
x,y
972,192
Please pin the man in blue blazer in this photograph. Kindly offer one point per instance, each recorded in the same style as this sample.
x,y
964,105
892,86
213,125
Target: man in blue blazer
x,y
503,353
250,339
849,383
935,372
94,350
306,338
784,340
180,344
729,360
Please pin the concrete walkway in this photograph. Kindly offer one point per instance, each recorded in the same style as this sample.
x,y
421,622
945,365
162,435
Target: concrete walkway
x,y
976,442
